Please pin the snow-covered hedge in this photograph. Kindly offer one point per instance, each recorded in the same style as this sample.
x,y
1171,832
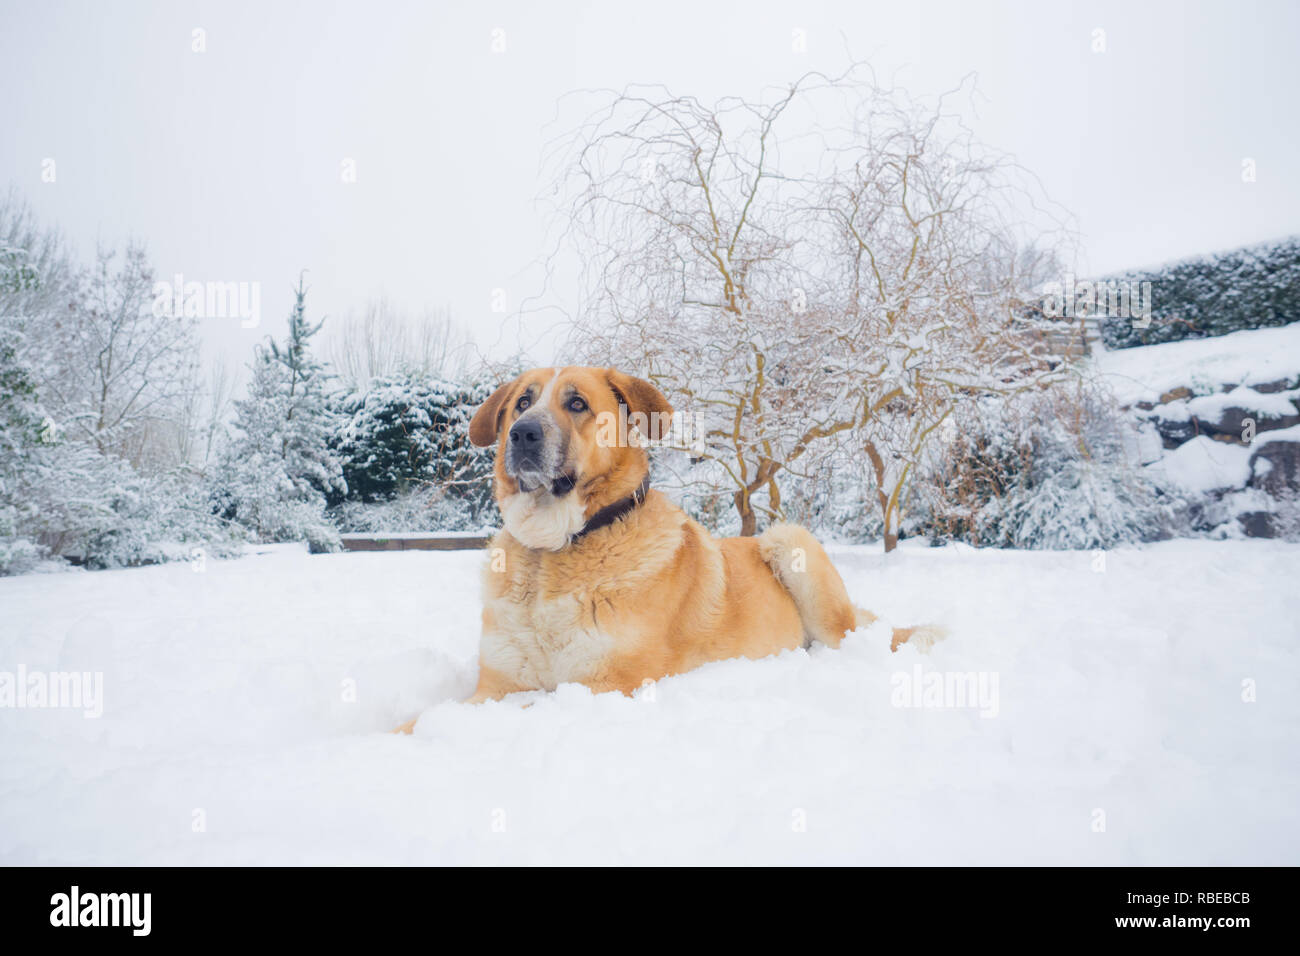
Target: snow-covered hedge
x,y
1250,288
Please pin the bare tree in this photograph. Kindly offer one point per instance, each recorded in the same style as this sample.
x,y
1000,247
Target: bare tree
x,y
928,244
40,278
204,415
837,263
117,375
219,395
694,249
381,340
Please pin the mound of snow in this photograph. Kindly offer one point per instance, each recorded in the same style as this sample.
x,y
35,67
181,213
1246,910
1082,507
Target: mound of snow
x,y
1202,464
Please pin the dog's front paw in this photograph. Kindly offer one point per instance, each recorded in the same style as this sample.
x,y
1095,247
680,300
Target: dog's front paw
x,y
922,638
407,727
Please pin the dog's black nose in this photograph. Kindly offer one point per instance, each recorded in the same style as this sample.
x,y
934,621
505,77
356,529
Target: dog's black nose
x,y
526,435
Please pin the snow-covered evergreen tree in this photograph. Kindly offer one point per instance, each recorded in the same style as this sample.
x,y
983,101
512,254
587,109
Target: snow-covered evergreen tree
x,y
275,475
404,430
20,421
404,441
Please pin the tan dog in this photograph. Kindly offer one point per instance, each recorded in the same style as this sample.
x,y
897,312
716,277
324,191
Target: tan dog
x,y
598,580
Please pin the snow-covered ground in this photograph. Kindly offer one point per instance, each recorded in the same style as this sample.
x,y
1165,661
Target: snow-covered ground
x,y
1121,731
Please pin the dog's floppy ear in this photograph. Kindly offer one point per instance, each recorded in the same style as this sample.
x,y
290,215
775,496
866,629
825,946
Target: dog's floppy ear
x,y
642,398
485,424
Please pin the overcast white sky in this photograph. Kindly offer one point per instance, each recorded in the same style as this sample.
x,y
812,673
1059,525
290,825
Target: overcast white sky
x,y
228,162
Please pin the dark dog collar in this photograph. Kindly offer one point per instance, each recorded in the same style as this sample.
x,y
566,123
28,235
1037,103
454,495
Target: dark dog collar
x,y
612,512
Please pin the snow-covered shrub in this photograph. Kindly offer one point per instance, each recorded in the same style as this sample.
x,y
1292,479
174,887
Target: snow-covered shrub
x,y
424,508
1044,470
72,502
1250,288
150,519
408,436
17,554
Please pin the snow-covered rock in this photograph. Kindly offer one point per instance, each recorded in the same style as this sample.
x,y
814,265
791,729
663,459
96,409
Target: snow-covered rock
x,y
1230,413
1275,461
1205,397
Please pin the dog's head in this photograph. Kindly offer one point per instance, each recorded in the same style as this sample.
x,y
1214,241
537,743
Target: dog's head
x,y
569,442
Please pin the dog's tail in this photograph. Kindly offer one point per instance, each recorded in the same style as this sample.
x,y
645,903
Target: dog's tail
x,y
804,569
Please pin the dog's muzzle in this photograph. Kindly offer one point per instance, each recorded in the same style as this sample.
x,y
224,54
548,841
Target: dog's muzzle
x,y
533,453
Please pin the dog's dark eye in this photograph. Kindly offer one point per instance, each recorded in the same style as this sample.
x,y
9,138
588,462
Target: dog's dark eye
x,y
576,404
523,403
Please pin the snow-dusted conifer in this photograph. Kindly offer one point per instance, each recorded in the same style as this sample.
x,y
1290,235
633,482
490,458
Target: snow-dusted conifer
x,y
275,475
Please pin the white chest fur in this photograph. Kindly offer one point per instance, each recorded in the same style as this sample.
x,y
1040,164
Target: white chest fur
x,y
540,520
550,615
544,643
